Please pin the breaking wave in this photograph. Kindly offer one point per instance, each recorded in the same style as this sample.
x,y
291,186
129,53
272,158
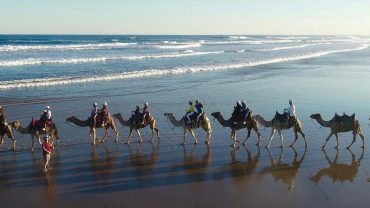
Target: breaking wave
x,y
160,72
91,46
38,61
285,47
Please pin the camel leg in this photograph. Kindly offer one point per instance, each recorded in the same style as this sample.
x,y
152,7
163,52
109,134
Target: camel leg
x,y
11,136
337,138
304,137
208,140
248,135
362,138
138,133
183,142
295,138
281,139
272,135
258,135
129,137
327,139
39,137
151,138
233,137
353,140
115,133
195,138
2,138
93,133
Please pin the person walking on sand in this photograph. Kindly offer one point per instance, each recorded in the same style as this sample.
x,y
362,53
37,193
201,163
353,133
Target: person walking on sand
x,y
46,150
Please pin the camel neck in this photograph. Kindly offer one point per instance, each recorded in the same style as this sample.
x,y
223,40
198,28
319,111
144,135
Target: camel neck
x,y
322,122
175,122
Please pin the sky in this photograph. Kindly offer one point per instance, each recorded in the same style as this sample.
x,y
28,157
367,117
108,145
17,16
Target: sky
x,y
187,17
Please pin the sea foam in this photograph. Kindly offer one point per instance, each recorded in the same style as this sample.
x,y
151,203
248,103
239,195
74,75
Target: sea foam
x,y
38,61
91,46
160,72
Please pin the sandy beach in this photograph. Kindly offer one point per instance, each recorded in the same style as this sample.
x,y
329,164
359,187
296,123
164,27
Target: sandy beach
x,y
166,174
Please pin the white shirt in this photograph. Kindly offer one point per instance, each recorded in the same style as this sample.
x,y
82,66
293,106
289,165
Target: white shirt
x,y
291,110
49,114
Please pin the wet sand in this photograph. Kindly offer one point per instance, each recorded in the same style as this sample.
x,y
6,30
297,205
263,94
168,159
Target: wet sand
x,y
167,174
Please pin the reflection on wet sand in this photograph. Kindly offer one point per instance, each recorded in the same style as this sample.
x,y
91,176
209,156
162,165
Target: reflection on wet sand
x,y
284,171
238,168
339,171
195,168
102,166
143,163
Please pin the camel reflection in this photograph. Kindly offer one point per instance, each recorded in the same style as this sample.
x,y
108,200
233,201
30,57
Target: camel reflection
x,y
102,165
339,171
284,171
195,167
143,163
238,168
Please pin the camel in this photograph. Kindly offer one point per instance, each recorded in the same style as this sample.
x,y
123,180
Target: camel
x,y
338,124
206,126
130,123
87,123
34,132
250,124
339,171
275,124
7,130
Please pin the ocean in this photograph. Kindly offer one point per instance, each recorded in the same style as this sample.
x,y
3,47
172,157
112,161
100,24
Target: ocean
x,y
321,74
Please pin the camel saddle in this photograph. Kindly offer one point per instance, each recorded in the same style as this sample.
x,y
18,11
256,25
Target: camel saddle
x,y
193,120
139,120
38,124
345,119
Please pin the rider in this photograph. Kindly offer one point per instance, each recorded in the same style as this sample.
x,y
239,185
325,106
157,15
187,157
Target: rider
x,y
199,107
245,110
189,111
291,111
136,114
47,117
237,112
3,123
94,113
43,119
145,112
104,112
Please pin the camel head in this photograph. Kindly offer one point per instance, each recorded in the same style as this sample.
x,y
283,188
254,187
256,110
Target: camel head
x,y
15,124
117,115
258,117
216,114
70,119
315,116
168,114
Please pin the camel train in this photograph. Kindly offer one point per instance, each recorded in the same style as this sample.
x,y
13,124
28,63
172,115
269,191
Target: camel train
x,y
279,123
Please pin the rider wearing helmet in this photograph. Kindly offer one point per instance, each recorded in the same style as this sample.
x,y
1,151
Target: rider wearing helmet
x,y
48,117
145,113
105,114
136,114
199,107
245,110
94,113
43,119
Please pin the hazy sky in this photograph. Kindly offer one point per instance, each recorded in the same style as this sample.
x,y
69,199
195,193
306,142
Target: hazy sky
x,y
185,17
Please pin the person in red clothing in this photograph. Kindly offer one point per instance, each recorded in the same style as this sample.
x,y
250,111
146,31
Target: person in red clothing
x,y
46,150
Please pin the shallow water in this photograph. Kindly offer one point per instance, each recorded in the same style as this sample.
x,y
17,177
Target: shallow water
x,y
168,174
